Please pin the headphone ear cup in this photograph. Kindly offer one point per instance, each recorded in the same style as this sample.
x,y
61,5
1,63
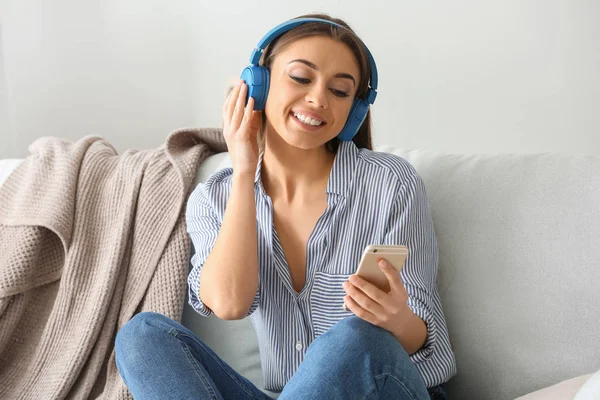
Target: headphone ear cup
x,y
357,115
258,80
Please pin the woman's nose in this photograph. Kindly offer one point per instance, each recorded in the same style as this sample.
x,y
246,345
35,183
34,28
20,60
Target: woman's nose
x,y
318,97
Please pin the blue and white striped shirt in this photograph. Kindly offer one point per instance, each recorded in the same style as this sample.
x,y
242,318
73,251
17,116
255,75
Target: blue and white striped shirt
x,y
372,198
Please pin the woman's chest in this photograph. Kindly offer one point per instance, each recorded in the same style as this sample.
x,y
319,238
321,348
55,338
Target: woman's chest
x,y
330,237
294,227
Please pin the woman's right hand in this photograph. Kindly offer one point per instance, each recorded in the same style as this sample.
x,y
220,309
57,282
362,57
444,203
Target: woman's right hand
x,y
240,129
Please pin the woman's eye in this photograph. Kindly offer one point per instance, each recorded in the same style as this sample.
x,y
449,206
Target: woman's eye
x,y
305,81
339,93
300,80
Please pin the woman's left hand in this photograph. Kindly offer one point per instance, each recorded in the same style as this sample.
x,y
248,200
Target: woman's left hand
x,y
389,311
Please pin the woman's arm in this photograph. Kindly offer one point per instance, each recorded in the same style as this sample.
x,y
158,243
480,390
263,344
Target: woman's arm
x,y
229,277
412,336
407,310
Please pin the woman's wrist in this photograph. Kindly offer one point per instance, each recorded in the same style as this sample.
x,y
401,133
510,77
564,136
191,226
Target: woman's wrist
x,y
411,334
243,174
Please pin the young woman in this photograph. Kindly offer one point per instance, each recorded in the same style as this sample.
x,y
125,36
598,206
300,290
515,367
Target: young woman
x,y
278,237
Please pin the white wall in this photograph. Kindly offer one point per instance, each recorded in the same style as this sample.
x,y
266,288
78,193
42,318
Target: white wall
x,y
7,137
458,76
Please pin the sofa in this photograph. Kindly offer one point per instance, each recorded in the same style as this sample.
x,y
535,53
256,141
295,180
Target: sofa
x,y
519,273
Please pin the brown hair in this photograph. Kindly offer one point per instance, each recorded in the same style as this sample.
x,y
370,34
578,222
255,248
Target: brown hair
x,y
362,139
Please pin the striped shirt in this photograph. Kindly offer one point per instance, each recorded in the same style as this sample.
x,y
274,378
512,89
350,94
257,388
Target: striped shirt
x,y
372,198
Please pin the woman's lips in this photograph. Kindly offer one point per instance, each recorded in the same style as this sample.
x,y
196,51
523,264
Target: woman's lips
x,y
304,126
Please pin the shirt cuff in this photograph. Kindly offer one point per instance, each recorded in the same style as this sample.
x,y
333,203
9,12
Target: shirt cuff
x,y
425,352
194,293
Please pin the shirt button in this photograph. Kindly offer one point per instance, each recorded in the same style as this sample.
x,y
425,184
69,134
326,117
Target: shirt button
x,y
298,345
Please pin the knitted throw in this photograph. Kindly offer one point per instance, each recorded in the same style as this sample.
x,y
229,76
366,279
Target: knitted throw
x,y
88,238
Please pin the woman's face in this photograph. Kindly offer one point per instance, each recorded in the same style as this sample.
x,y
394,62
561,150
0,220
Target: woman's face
x,y
313,84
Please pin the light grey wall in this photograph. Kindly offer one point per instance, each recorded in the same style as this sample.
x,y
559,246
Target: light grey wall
x,y
457,76
7,136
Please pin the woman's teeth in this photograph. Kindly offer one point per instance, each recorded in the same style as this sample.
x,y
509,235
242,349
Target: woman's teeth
x,y
308,120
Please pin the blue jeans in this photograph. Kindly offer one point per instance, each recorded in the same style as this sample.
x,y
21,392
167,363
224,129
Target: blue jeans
x,y
159,358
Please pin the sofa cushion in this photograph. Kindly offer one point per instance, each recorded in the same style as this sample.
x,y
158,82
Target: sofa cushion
x,y
590,390
564,390
234,341
519,266
211,165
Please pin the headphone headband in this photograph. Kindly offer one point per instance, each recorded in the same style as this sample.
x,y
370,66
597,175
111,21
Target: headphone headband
x,y
289,25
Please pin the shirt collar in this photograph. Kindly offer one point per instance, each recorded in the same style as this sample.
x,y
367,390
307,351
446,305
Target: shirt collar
x,y
341,172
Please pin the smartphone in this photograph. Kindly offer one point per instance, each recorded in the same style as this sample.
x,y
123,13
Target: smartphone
x,y
369,270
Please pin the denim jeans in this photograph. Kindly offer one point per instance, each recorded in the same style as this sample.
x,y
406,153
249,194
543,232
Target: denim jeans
x,y
159,358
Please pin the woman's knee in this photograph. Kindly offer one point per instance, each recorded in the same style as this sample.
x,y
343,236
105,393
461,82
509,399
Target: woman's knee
x,y
361,353
140,335
359,335
354,341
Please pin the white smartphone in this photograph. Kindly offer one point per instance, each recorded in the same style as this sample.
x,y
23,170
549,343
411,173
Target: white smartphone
x,y
369,270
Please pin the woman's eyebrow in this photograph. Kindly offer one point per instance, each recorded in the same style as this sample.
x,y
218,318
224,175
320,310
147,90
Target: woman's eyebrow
x,y
313,66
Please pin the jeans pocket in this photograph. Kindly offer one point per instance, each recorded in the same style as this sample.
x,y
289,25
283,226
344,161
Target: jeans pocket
x,y
327,299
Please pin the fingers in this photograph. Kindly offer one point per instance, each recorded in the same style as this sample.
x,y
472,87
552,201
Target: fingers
x,y
248,111
368,288
392,276
238,111
360,311
227,100
230,103
361,290
362,298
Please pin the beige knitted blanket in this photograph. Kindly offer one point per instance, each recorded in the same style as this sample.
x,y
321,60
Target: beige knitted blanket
x,y
88,238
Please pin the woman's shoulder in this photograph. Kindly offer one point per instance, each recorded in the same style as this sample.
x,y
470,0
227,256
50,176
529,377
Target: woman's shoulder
x,y
388,164
216,185
220,178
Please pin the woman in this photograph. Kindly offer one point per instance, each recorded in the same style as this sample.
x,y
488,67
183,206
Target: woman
x,y
278,237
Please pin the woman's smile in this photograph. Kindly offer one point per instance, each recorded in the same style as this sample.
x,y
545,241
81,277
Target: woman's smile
x,y
307,121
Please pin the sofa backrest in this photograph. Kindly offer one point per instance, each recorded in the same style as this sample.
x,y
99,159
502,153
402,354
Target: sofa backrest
x,y
519,270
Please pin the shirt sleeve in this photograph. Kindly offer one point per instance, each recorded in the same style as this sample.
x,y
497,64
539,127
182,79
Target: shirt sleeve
x,y
411,224
203,226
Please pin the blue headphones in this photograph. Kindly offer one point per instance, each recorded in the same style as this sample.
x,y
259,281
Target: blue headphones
x,y
257,78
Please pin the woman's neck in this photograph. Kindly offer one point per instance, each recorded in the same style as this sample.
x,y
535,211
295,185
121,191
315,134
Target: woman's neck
x,y
295,175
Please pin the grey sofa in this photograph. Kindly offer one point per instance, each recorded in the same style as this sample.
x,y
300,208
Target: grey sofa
x,y
519,273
